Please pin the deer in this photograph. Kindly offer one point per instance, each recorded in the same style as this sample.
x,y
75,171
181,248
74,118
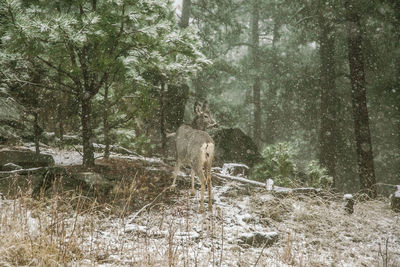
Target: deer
x,y
195,148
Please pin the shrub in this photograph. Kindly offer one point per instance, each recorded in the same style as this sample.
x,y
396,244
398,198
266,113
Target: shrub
x,y
129,139
317,176
279,163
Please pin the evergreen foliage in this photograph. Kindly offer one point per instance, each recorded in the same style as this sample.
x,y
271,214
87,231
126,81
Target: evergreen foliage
x,y
102,69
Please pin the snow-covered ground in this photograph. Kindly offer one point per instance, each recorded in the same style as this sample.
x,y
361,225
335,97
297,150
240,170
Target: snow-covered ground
x,y
248,227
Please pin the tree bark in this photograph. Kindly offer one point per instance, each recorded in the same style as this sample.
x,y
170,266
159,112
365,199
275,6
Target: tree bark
x,y
162,120
396,7
359,102
176,96
175,101
185,16
106,126
87,132
60,120
36,130
328,132
269,103
255,40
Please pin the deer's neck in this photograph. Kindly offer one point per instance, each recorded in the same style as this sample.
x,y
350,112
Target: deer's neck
x,y
196,124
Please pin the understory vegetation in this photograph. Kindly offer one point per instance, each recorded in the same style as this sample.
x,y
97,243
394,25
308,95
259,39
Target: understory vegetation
x,y
282,163
141,223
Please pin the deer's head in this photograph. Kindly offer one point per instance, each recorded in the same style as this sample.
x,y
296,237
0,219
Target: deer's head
x,y
204,119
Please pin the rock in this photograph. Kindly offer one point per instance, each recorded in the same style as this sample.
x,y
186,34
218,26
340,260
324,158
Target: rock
x,y
233,145
89,183
8,135
395,199
258,239
47,178
25,159
93,179
235,169
13,181
348,203
10,167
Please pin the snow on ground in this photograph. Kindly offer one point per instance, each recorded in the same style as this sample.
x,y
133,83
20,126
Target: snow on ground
x,y
181,235
69,157
311,230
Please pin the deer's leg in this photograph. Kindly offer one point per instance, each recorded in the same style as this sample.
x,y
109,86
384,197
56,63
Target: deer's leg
x,y
192,174
209,186
200,173
176,170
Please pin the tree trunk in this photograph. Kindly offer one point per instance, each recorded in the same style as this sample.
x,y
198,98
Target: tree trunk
x,y
175,98
36,131
175,101
328,132
269,103
396,8
106,126
162,120
255,40
87,132
60,122
359,102
61,107
185,16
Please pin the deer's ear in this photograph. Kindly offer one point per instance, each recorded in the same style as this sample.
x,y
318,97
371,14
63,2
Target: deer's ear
x,y
197,108
206,107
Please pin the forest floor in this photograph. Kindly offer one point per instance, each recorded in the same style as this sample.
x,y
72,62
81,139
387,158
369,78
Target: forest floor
x,y
144,223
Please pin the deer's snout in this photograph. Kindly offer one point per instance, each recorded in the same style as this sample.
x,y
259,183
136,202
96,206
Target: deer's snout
x,y
214,125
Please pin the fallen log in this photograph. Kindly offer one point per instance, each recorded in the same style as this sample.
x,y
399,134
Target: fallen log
x,y
23,171
276,189
239,179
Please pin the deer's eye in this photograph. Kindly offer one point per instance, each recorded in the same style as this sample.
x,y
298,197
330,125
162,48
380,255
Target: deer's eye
x,y
205,116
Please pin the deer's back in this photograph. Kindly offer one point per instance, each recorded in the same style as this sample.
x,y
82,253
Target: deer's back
x,y
190,144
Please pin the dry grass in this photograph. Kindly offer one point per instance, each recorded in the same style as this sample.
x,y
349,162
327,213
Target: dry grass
x,y
69,228
36,234
319,231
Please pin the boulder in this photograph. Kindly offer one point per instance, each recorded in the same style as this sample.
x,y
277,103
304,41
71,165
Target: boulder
x,y
233,145
9,135
67,179
258,239
92,179
235,169
25,159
